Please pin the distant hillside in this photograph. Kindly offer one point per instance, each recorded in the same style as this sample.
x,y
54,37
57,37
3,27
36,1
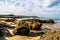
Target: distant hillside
x,y
17,16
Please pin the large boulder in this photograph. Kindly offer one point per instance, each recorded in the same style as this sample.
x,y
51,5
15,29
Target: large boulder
x,y
22,30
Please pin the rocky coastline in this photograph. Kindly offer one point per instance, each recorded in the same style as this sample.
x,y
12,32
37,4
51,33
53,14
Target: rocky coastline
x,y
30,28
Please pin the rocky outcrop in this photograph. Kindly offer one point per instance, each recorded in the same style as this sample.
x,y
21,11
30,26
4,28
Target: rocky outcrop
x,y
47,21
25,27
51,35
1,32
39,20
10,20
33,25
21,31
3,25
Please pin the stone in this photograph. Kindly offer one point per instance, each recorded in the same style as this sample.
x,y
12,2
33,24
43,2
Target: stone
x,y
23,30
1,32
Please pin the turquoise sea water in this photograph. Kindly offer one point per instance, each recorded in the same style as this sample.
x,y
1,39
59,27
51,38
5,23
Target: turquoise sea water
x,y
55,19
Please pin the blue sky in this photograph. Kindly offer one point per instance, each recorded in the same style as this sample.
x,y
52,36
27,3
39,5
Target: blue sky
x,y
41,8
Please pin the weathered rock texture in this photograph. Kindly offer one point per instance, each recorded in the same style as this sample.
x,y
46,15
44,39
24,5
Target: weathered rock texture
x,y
51,35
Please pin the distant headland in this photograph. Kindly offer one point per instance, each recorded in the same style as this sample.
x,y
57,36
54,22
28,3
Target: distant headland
x,y
17,16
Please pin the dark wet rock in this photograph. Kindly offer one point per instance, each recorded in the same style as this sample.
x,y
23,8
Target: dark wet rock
x,y
2,25
48,21
10,20
4,32
1,32
21,30
39,20
41,33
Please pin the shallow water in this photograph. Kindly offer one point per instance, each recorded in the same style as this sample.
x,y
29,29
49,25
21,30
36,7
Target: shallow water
x,y
51,26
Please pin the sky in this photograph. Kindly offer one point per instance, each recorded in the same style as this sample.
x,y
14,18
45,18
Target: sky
x,y
41,8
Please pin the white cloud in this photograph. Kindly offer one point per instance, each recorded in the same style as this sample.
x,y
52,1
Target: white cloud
x,y
29,7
